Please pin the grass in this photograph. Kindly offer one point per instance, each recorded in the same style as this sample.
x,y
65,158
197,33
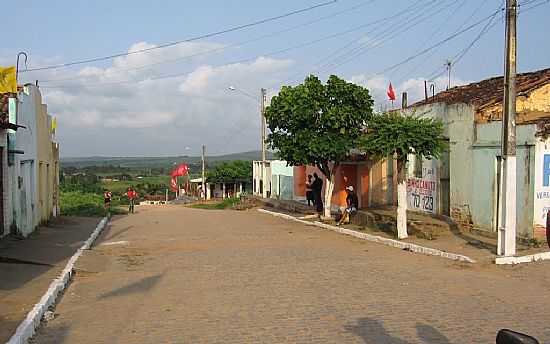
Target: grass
x,y
122,186
84,204
226,203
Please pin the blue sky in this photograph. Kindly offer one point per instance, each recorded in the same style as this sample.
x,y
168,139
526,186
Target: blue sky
x,y
196,107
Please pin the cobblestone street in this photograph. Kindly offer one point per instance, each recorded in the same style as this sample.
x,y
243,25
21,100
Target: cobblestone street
x,y
178,275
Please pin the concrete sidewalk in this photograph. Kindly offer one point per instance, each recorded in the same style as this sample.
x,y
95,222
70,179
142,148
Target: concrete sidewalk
x,y
424,230
28,266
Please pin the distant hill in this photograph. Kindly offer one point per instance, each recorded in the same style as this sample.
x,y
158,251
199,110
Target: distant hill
x,y
153,162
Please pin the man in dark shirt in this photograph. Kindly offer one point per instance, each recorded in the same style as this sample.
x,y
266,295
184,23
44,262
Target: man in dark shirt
x,y
352,203
316,188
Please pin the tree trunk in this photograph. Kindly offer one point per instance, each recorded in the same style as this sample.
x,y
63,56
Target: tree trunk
x,y
401,200
329,188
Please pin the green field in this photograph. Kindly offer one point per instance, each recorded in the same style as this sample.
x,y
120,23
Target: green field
x,y
156,162
85,204
122,185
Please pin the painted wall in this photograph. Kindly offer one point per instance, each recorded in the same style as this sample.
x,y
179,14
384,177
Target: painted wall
x,y
6,185
354,174
484,201
282,180
24,172
423,189
300,177
473,152
541,183
257,177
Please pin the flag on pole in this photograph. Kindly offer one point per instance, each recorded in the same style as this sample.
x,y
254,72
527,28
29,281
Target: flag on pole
x,y
8,81
174,184
391,93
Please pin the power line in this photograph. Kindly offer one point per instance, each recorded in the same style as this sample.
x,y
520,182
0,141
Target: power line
x,y
435,33
272,53
320,63
387,36
223,48
170,44
440,71
424,51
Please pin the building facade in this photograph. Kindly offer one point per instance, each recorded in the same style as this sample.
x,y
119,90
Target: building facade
x,y
464,182
30,161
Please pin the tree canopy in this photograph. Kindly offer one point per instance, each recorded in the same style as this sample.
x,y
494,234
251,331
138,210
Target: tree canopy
x,y
318,124
395,133
237,170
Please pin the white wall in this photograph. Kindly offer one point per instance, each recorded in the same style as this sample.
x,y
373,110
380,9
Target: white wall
x,y
25,198
542,184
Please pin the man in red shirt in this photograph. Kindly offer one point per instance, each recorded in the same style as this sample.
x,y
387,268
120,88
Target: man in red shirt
x,y
132,196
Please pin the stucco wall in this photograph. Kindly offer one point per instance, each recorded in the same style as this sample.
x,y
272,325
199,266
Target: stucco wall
x,y
529,107
541,183
25,195
282,180
6,185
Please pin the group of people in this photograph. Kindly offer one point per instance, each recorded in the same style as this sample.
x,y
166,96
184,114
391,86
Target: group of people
x,y
130,193
314,187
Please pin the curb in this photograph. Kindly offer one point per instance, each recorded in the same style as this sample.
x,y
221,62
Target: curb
x,y
27,328
522,259
378,239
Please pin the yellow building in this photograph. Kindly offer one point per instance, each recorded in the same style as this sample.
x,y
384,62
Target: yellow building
x,y
48,166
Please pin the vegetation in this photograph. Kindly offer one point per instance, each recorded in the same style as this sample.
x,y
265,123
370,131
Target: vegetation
x,y
74,203
82,185
226,203
316,124
230,171
398,135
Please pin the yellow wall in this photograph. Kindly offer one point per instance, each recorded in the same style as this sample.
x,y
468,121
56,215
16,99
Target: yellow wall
x,y
529,107
48,165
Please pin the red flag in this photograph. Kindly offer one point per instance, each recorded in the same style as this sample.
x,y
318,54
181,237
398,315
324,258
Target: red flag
x,y
391,93
174,184
180,170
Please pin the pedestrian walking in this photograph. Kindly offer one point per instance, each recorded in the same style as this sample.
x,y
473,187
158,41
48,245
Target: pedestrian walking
x,y
352,203
132,196
309,191
317,188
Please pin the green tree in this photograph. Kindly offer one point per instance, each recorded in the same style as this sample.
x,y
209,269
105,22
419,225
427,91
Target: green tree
x,y
318,124
398,135
237,170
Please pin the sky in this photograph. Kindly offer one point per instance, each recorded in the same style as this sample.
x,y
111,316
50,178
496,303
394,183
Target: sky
x,y
171,101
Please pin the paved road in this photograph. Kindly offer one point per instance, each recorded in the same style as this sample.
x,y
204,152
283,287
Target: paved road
x,y
176,275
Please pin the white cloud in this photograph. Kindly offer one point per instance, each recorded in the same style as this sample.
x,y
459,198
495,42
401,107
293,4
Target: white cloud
x,y
150,116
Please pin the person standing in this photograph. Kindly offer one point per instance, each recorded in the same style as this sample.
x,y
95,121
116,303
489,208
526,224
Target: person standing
x,y
309,192
107,196
132,195
317,188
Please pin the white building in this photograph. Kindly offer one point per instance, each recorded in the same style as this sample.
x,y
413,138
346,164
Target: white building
x,y
30,162
279,179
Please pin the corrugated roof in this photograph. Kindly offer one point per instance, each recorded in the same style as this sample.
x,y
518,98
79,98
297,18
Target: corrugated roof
x,y
490,91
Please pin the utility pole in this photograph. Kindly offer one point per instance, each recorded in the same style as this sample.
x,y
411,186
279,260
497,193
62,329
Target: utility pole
x,y
203,196
449,65
507,228
263,128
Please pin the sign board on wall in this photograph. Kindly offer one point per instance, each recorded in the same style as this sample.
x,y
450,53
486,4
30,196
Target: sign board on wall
x,y
542,184
422,192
